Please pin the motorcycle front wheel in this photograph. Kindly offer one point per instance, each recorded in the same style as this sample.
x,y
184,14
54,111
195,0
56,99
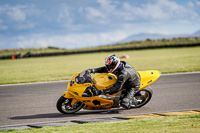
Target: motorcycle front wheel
x,y
142,97
64,105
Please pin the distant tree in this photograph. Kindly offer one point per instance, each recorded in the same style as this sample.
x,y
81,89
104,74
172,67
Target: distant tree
x,y
163,40
148,39
52,47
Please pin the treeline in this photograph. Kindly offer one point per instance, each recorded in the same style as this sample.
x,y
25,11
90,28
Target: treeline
x,y
29,55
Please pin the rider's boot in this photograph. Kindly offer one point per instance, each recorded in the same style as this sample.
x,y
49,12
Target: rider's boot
x,y
126,103
127,100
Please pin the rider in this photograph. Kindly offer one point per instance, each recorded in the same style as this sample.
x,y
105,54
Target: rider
x,y
127,78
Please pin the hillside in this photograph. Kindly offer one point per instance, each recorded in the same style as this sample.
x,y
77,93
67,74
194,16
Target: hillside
x,y
157,36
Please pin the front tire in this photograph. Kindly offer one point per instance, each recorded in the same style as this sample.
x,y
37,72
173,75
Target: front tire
x,y
64,105
142,97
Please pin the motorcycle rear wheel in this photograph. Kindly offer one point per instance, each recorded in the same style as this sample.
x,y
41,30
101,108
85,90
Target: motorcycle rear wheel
x,y
64,105
142,97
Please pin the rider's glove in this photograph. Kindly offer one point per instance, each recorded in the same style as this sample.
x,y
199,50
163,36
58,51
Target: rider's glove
x,y
91,71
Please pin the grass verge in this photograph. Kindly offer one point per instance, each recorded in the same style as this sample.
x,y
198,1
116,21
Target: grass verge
x,y
168,124
170,60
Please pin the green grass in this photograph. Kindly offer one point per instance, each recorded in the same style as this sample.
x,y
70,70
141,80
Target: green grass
x,y
63,67
168,124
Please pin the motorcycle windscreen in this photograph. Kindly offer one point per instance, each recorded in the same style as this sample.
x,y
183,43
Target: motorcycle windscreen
x,y
83,77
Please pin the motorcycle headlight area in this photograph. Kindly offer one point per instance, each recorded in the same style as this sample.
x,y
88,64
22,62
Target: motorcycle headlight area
x,y
80,80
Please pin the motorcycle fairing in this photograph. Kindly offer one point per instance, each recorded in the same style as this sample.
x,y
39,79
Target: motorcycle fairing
x,y
148,77
76,88
104,80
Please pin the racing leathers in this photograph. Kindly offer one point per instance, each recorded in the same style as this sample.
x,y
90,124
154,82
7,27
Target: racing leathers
x,y
127,78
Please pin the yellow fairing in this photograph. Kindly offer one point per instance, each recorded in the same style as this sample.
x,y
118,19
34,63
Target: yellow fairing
x,y
89,103
77,89
67,94
75,92
105,80
148,77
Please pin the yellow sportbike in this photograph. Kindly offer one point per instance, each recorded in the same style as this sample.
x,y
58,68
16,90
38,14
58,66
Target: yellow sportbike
x,y
82,88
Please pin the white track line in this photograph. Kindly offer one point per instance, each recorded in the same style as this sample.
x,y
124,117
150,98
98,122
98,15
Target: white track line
x,y
169,74
62,81
68,80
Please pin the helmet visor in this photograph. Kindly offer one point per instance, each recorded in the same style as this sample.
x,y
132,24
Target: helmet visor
x,y
112,67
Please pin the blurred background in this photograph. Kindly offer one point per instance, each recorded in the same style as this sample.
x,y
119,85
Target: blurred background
x,y
162,35
72,24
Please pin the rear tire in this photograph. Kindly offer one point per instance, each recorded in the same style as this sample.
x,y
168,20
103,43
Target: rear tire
x,y
142,97
64,105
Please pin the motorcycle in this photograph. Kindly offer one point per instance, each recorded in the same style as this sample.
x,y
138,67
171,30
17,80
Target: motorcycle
x,y
82,88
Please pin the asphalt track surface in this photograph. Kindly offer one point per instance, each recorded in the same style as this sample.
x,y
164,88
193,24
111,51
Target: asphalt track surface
x,y
36,103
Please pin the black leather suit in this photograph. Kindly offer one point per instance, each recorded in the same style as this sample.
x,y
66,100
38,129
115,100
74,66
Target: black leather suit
x,y
127,78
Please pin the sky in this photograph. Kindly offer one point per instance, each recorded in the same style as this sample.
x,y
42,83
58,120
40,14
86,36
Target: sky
x,y
74,24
